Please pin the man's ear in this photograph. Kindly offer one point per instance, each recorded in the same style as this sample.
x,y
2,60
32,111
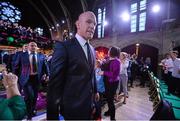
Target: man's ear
x,y
77,24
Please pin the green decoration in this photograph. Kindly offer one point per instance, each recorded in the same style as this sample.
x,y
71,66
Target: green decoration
x,y
10,39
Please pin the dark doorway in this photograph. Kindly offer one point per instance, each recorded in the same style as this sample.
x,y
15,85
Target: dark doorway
x,y
144,51
178,49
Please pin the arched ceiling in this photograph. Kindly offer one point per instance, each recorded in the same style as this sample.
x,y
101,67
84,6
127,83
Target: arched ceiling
x,y
31,16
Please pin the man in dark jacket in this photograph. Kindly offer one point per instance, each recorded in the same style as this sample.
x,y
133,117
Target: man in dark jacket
x,y
72,85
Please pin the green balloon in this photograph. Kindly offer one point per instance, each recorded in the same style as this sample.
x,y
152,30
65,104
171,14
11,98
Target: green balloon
x,y
10,39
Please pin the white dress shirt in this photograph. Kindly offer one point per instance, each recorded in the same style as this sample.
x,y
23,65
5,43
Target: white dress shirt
x,y
82,42
168,62
176,68
124,66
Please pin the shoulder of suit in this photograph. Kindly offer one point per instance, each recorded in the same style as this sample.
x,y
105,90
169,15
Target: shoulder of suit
x,y
40,53
21,53
17,53
69,41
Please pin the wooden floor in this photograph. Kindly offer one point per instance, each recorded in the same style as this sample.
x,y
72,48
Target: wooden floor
x,y
138,106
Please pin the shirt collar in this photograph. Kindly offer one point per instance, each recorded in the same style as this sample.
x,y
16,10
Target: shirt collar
x,y
29,52
81,40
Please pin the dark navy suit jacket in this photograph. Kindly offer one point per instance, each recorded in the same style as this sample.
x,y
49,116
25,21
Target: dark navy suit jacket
x,y
22,67
72,82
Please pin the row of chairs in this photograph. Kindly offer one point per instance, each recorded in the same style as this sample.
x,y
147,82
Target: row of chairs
x,y
158,95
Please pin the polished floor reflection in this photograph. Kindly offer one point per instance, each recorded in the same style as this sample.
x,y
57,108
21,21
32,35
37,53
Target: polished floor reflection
x,y
138,106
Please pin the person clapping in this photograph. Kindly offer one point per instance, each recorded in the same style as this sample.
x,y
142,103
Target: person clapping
x,y
13,107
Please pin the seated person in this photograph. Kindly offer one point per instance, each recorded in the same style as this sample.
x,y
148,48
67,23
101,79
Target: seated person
x,y
12,108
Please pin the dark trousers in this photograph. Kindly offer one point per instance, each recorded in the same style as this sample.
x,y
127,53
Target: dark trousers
x,y
169,81
133,77
175,87
31,94
165,78
144,78
110,92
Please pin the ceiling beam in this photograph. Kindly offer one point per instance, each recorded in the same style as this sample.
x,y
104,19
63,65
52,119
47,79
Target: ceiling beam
x,y
48,23
67,15
51,14
84,5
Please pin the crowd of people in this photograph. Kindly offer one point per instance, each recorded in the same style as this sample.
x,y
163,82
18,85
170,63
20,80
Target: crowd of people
x,y
119,74
31,67
14,28
20,33
79,84
171,72
114,80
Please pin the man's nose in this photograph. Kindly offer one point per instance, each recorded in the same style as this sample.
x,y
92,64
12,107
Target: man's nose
x,y
92,26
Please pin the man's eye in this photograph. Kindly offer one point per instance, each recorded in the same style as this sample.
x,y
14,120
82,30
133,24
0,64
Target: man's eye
x,y
89,22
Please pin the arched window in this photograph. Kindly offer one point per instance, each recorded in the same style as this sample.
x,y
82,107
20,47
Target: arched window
x,y
101,20
134,17
138,15
99,27
142,15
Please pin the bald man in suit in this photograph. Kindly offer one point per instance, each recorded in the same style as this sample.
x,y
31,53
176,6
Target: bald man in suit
x,y
72,85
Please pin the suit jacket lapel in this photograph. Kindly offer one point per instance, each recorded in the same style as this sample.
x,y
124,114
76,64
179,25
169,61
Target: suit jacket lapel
x,y
90,68
92,57
38,61
81,51
27,57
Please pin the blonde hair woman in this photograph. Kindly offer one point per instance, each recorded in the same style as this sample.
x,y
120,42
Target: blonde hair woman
x,y
123,75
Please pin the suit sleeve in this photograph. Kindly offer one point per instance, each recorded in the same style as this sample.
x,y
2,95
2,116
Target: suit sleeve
x,y
95,84
46,67
56,82
16,64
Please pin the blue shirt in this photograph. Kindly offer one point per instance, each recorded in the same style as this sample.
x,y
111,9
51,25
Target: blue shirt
x,y
99,81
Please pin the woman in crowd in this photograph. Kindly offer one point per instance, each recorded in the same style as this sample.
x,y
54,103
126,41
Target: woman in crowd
x,y
112,75
124,75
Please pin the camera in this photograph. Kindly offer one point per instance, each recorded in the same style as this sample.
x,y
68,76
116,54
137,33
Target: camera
x,y
1,76
2,68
